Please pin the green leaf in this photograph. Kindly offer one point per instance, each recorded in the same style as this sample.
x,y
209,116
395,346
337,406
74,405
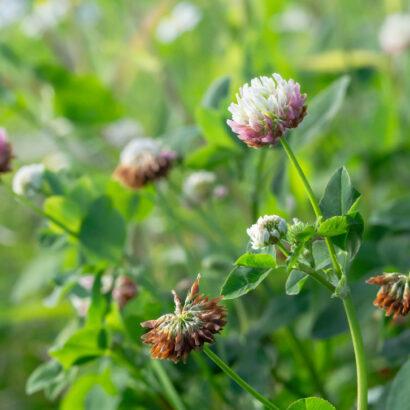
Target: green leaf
x,y
294,256
242,280
125,200
395,215
321,111
53,182
64,210
321,255
399,393
98,399
77,396
213,127
209,156
306,234
340,197
295,282
311,403
334,226
44,375
103,230
84,345
257,260
351,240
83,193
217,91
98,307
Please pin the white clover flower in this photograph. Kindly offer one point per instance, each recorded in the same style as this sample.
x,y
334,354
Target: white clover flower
x,y
122,131
268,230
394,35
143,160
11,11
199,186
28,180
184,17
266,109
46,15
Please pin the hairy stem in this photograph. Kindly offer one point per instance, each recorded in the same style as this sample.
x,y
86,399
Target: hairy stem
x,y
257,184
347,302
235,377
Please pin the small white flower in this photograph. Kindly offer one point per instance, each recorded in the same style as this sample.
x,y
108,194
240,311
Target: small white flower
x,y
122,131
268,230
184,17
28,180
46,15
394,35
199,186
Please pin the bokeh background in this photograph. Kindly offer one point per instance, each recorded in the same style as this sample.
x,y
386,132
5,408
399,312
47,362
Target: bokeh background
x,y
78,79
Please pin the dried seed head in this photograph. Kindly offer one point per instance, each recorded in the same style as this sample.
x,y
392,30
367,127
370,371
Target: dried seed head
x,y
125,290
394,294
143,160
266,109
6,154
192,324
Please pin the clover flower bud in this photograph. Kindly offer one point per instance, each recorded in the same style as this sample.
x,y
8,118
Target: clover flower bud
x,y
5,152
199,186
268,230
394,294
143,160
266,109
125,290
394,35
28,180
174,335
293,231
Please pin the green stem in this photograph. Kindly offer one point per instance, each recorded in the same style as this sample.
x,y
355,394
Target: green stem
x,y
39,211
310,366
347,302
358,351
234,376
257,184
167,385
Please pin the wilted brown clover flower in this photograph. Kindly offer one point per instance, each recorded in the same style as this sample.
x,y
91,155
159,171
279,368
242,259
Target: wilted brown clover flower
x,y
193,324
125,290
6,154
394,294
143,160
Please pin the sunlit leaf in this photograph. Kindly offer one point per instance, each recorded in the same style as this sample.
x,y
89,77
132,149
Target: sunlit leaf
x,y
257,260
311,403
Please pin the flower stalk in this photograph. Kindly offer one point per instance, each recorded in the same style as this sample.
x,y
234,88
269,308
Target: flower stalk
x,y
348,301
235,377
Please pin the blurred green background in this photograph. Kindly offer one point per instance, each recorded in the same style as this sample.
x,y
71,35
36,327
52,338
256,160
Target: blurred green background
x,y
69,69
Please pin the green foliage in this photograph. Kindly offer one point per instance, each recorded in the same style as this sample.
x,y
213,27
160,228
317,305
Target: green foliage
x,y
340,196
295,282
399,394
243,279
256,260
311,403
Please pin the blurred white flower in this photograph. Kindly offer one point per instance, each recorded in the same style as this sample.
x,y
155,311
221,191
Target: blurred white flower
x,y
28,180
143,160
46,14
88,13
199,186
394,35
268,230
122,131
184,17
11,11
61,126
294,18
